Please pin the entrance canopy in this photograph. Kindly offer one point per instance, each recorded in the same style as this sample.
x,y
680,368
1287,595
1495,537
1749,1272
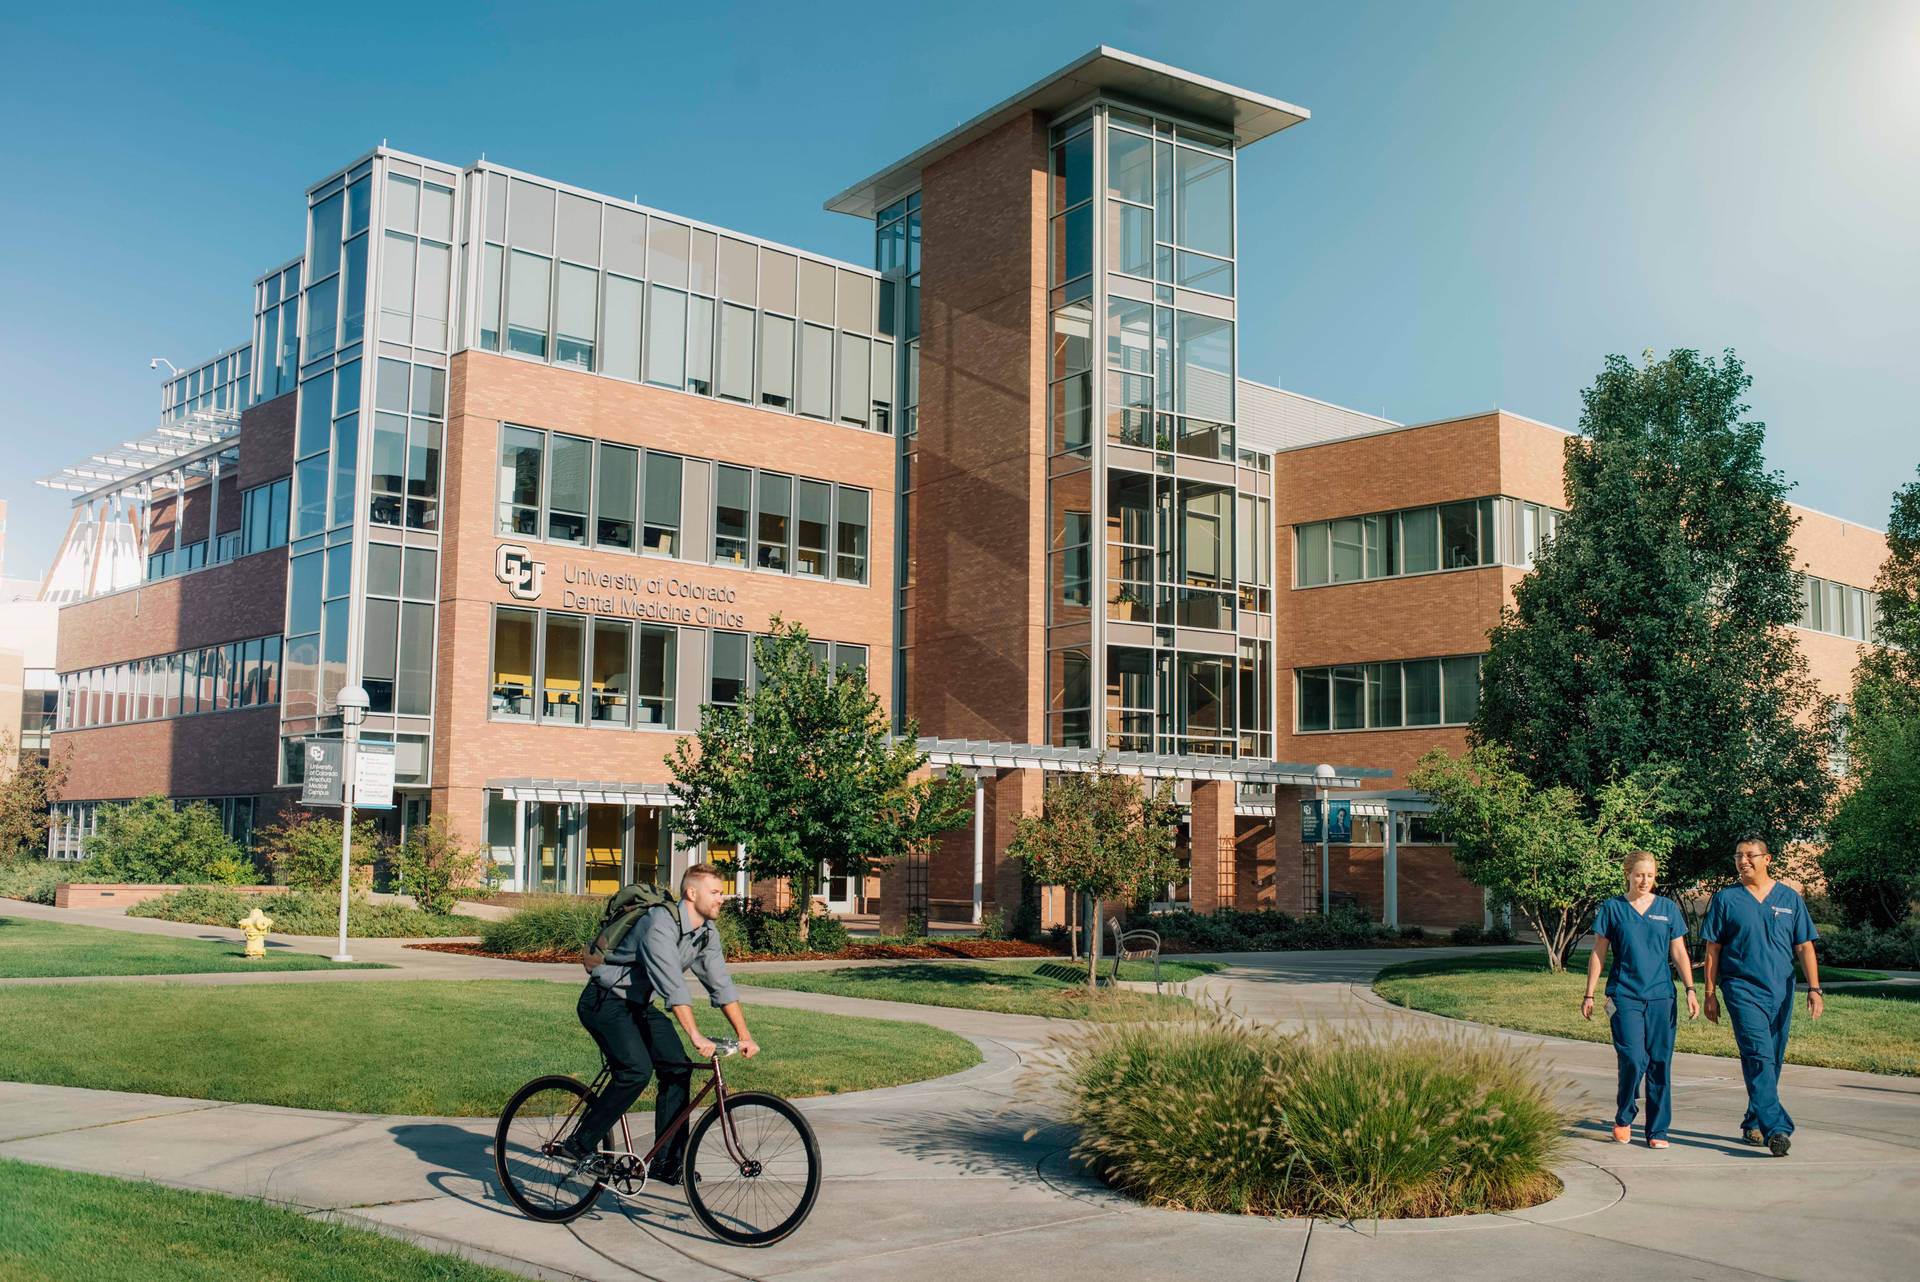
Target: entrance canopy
x,y
1254,772
584,792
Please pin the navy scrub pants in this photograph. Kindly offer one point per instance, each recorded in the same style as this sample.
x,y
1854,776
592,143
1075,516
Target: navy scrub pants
x,y
1760,1030
1643,1042
636,1040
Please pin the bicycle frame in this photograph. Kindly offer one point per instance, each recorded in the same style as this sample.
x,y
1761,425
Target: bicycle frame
x,y
716,1085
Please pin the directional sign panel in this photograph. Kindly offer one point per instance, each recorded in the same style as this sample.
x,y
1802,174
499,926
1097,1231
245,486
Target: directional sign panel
x,y
321,786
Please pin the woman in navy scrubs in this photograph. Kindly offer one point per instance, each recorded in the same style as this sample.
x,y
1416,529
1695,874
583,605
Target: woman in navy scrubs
x,y
1753,931
1644,932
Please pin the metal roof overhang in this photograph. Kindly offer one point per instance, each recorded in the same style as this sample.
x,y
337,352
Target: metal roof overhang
x,y
183,445
584,792
1248,116
1257,772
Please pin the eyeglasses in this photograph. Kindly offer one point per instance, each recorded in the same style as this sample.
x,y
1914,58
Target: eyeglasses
x,y
1744,858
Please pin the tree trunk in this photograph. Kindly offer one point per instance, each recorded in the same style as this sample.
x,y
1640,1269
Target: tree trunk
x,y
1093,945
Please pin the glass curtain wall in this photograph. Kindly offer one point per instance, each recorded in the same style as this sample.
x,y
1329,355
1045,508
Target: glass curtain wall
x,y
364,521
1176,627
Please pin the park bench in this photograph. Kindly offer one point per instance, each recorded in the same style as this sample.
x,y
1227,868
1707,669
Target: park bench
x,y
1134,945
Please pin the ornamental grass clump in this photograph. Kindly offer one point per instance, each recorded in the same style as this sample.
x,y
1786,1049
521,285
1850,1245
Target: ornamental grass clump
x,y
1218,1114
562,924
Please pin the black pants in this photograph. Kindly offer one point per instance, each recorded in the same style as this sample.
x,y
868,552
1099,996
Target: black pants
x,y
635,1039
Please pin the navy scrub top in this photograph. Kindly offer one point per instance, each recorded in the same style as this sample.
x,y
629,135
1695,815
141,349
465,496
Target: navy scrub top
x,y
1757,939
1640,943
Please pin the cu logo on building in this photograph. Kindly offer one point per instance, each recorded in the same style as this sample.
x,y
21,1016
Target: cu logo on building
x,y
514,566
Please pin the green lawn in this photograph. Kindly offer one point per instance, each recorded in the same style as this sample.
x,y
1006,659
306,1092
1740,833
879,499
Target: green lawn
x,y
36,949
437,1047
60,1226
1875,1028
1055,988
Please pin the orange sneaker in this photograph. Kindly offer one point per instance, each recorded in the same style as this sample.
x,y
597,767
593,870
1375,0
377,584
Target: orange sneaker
x,y
1623,1135
1656,1144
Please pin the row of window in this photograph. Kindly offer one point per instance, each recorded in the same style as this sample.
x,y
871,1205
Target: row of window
x,y
565,669
1387,696
1826,606
220,384
1419,540
240,674
616,291
263,525
569,489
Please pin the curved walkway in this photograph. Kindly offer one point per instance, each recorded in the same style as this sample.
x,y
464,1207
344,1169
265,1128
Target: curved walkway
x,y
965,1177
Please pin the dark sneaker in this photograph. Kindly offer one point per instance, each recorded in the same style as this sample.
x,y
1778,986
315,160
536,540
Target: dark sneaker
x,y
582,1164
660,1173
1778,1143
1752,1136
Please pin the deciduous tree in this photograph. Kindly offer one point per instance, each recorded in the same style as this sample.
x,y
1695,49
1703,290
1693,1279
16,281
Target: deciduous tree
x,y
1101,834
806,773
1539,850
1872,860
1653,628
27,796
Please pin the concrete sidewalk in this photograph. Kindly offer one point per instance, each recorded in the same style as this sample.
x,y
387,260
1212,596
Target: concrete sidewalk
x,y
943,1180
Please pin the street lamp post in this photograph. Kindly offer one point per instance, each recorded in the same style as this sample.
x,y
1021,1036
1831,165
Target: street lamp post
x,y
352,704
1322,775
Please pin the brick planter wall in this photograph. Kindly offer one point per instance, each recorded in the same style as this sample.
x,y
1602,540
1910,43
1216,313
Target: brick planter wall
x,y
73,894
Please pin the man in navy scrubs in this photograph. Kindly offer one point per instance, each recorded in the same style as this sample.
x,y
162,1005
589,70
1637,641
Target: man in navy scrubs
x,y
1753,930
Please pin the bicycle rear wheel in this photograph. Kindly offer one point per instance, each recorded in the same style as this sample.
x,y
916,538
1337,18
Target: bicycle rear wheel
x,y
540,1181
760,1195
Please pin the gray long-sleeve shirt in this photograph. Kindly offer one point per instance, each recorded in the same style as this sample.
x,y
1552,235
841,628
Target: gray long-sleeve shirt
x,y
656,954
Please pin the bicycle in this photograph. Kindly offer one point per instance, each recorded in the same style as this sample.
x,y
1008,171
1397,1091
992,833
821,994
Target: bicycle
x,y
752,1188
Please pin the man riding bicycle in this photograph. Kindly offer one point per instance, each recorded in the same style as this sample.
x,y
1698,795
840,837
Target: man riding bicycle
x,y
617,1009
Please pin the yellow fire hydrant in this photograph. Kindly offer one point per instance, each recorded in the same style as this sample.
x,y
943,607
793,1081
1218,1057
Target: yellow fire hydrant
x,y
256,924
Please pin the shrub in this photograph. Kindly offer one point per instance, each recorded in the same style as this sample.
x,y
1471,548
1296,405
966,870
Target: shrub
x,y
780,934
916,925
1026,919
304,851
561,924
150,841
1412,932
301,912
1229,930
1361,1123
34,879
1467,936
733,936
207,905
1895,949
434,864
993,924
1058,936
1499,933
828,934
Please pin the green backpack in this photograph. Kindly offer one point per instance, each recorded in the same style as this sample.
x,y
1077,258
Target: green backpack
x,y
623,911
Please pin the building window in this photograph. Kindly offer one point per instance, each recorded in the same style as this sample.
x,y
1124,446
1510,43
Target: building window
x,y
655,674
513,663
617,496
562,663
775,531
1388,696
1839,610
662,531
732,514
521,450
569,481
612,672
728,669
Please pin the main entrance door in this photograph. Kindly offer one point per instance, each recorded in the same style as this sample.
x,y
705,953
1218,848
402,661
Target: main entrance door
x,y
842,891
552,839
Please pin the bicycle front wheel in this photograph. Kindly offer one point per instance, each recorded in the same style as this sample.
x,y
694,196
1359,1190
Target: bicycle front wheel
x,y
758,1189
537,1177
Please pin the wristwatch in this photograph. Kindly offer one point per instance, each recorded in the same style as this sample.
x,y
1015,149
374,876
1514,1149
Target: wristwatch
x,y
1815,990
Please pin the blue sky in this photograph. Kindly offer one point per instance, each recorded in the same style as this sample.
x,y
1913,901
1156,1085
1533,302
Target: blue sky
x,y
1490,197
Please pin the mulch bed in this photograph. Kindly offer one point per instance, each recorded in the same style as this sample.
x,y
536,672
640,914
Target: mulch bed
x,y
976,948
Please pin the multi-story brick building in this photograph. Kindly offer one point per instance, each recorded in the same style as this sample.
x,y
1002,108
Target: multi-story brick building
x,y
531,465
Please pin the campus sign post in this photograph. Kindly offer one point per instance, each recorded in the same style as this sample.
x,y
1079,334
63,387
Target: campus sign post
x,y
352,703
